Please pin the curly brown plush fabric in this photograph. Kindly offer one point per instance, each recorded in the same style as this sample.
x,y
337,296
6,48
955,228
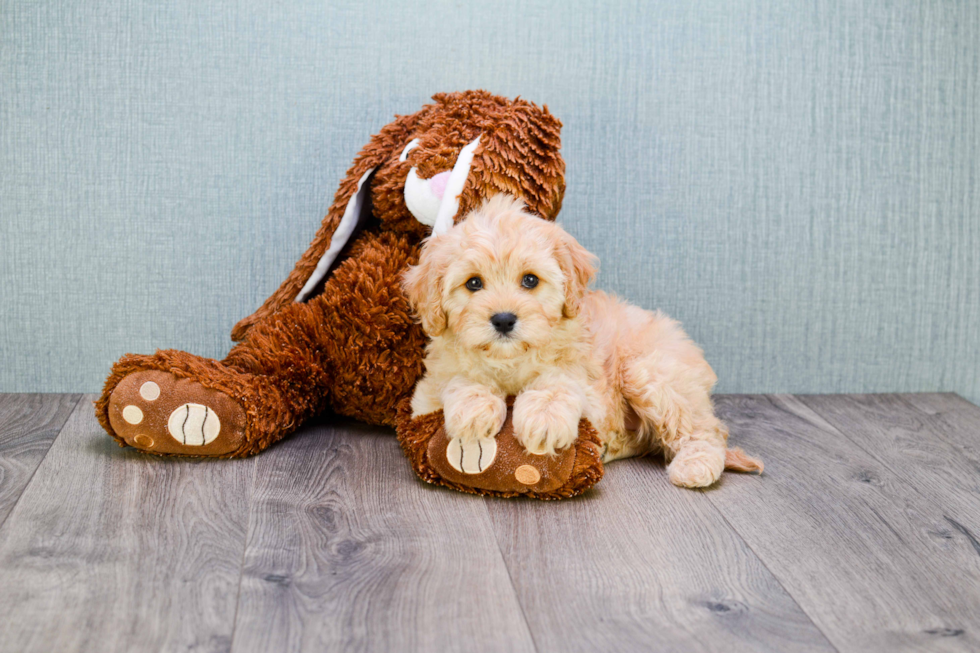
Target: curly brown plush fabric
x,y
353,346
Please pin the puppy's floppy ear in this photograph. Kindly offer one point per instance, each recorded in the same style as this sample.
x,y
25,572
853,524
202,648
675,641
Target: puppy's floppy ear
x,y
579,267
423,286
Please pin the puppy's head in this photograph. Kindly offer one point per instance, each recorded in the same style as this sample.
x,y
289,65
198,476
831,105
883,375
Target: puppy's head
x,y
500,281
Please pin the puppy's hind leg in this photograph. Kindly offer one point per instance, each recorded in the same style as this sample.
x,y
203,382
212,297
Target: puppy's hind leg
x,y
700,460
673,405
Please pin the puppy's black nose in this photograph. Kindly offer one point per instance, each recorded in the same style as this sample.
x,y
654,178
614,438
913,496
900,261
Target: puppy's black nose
x,y
503,322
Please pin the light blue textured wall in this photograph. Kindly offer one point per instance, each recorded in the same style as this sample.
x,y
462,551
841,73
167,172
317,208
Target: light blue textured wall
x,y
797,182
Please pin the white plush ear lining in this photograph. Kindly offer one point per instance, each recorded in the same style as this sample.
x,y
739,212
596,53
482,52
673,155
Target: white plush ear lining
x,y
412,144
420,200
341,235
454,187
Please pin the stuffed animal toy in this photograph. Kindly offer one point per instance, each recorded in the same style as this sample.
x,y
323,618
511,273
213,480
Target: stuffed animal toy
x,y
338,334
506,471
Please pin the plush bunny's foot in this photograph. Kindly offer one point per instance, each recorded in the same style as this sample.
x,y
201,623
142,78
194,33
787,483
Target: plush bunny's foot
x,y
499,465
157,412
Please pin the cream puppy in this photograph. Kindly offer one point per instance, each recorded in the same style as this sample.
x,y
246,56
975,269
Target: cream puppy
x,y
504,297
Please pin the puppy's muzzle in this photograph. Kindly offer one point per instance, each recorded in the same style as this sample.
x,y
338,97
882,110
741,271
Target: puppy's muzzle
x,y
503,322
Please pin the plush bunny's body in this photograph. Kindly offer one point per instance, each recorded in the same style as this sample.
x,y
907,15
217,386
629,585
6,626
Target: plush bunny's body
x,y
338,333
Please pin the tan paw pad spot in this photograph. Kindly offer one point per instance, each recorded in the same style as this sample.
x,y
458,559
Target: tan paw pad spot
x,y
527,475
150,391
132,414
144,441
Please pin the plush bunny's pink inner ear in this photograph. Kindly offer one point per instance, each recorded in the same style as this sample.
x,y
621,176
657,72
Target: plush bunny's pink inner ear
x,y
454,188
435,201
341,236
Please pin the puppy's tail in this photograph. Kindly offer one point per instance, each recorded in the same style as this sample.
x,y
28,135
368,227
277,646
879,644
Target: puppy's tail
x,y
737,460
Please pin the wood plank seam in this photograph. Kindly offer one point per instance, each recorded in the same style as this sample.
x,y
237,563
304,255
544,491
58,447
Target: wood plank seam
x,y
929,595
30,480
939,434
241,567
148,569
909,482
510,576
346,549
763,562
932,425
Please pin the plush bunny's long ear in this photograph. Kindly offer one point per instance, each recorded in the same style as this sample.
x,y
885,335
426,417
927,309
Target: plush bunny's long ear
x,y
522,156
351,203
356,214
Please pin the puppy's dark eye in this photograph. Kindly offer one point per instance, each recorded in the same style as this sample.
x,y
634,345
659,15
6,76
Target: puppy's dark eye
x,y
474,283
529,281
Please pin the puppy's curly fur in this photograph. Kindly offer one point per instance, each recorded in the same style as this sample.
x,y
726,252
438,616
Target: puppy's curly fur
x,y
504,298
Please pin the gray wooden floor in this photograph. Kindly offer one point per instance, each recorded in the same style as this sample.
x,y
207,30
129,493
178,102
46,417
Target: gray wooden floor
x,y
863,535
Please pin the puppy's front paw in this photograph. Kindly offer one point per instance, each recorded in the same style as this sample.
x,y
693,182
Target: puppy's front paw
x,y
546,420
474,414
697,464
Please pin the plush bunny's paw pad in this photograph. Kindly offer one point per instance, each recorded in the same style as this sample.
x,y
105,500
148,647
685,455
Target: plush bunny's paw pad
x,y
157,412
471,456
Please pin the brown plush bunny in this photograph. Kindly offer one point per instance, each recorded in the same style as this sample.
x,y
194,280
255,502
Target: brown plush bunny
x,y
338,333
